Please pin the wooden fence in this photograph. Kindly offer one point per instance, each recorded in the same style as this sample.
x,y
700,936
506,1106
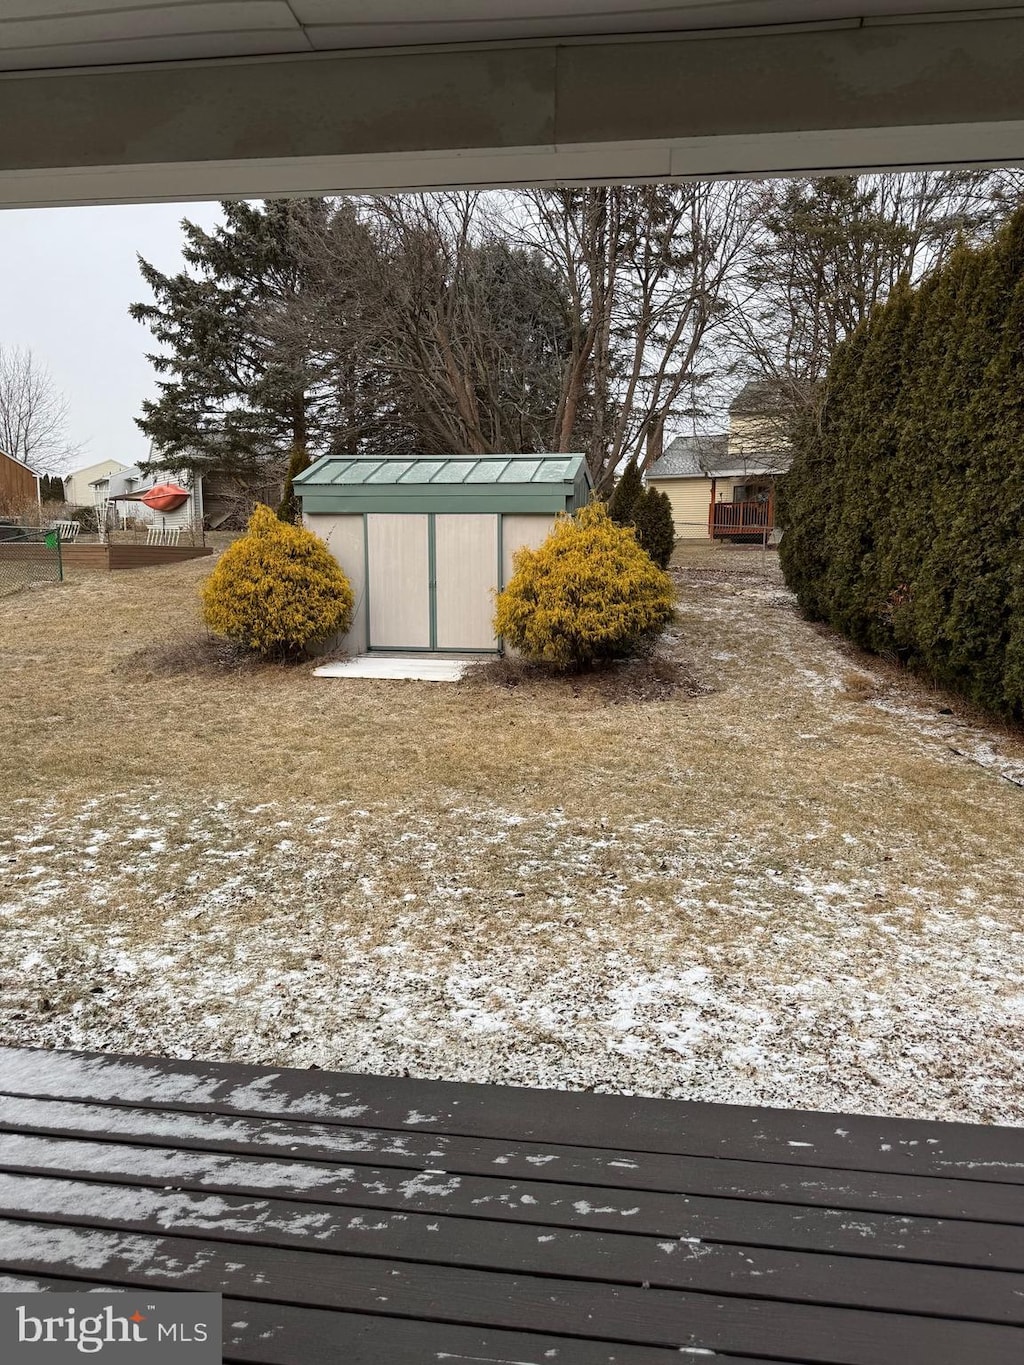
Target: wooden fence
x,y
105,557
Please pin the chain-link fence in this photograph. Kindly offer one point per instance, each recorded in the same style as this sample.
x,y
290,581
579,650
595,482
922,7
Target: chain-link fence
x,y
28,557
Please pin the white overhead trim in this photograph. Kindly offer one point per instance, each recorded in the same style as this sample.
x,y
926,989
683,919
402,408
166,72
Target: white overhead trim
x,y
813,100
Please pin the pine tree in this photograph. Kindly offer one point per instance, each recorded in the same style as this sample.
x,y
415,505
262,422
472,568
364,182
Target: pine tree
x,y
654,525
624,496
289,509
242,378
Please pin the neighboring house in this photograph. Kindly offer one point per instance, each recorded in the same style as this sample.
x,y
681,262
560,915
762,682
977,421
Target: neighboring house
x,y
723,486
126,488
19,484
81,486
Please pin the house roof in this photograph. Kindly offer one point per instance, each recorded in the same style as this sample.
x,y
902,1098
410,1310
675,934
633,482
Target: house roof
x,y
691,457
709,457
760,398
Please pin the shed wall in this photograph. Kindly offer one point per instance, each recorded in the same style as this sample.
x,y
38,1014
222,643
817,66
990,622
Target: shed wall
x,y
518,530
344,538
396,546
398,565
17,485
466,572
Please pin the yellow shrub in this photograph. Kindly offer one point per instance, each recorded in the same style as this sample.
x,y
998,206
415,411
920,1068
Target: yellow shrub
x,y
588,593
277,589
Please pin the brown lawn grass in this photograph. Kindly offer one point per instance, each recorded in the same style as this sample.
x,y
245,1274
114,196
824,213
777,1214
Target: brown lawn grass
x,y
717,810
93,703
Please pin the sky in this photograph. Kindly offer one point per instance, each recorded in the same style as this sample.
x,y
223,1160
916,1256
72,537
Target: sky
x,y
67,277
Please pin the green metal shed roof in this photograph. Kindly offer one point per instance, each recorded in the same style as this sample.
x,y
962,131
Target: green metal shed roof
x,y
448,469
448,483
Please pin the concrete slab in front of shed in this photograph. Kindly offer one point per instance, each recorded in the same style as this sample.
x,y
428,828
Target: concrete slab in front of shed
x,y
411,666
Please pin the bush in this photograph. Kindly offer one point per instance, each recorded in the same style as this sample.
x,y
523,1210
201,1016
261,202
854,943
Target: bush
x,y
904,505
588,594
654,526
277,590
625,495
86,518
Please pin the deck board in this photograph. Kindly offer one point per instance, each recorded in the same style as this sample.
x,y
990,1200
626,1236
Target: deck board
x,y
956,1242
610,1168
709,1267
676,1127
367,1219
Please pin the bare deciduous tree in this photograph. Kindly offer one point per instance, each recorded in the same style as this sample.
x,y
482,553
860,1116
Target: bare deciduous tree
x,y
826,251
448,336
33,413
650,277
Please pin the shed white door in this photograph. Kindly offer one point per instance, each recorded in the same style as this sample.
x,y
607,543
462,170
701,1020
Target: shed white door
x,y
398,580
466,574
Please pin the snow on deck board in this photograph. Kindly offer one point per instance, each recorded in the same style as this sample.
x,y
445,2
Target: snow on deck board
x,y
955,1241
676,1263
610,1168
844,1142
368,1218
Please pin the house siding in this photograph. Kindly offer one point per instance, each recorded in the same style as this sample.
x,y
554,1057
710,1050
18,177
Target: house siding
x,y
691,503
76,484
750,433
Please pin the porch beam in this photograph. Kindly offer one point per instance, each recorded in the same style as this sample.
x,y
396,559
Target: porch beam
x,y
853,95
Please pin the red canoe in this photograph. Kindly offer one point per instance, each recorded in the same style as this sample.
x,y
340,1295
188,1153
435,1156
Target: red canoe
x,y
165,497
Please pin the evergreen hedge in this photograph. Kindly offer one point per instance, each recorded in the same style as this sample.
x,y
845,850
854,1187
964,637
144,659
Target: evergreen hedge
x,y
903,511
647,510
627,492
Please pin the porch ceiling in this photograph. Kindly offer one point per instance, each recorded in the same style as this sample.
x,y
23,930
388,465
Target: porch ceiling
x,y
119,100
48,34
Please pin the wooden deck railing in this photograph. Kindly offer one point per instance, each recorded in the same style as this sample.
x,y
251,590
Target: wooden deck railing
x,y
752,518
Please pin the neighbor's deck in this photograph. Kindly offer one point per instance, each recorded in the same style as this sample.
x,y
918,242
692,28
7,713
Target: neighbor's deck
x,y
362,1220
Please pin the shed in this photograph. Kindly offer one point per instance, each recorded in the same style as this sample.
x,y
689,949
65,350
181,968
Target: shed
x,y
19,484
426,541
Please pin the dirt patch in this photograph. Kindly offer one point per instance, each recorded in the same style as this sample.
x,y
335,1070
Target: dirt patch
x,y
186,653
626,681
